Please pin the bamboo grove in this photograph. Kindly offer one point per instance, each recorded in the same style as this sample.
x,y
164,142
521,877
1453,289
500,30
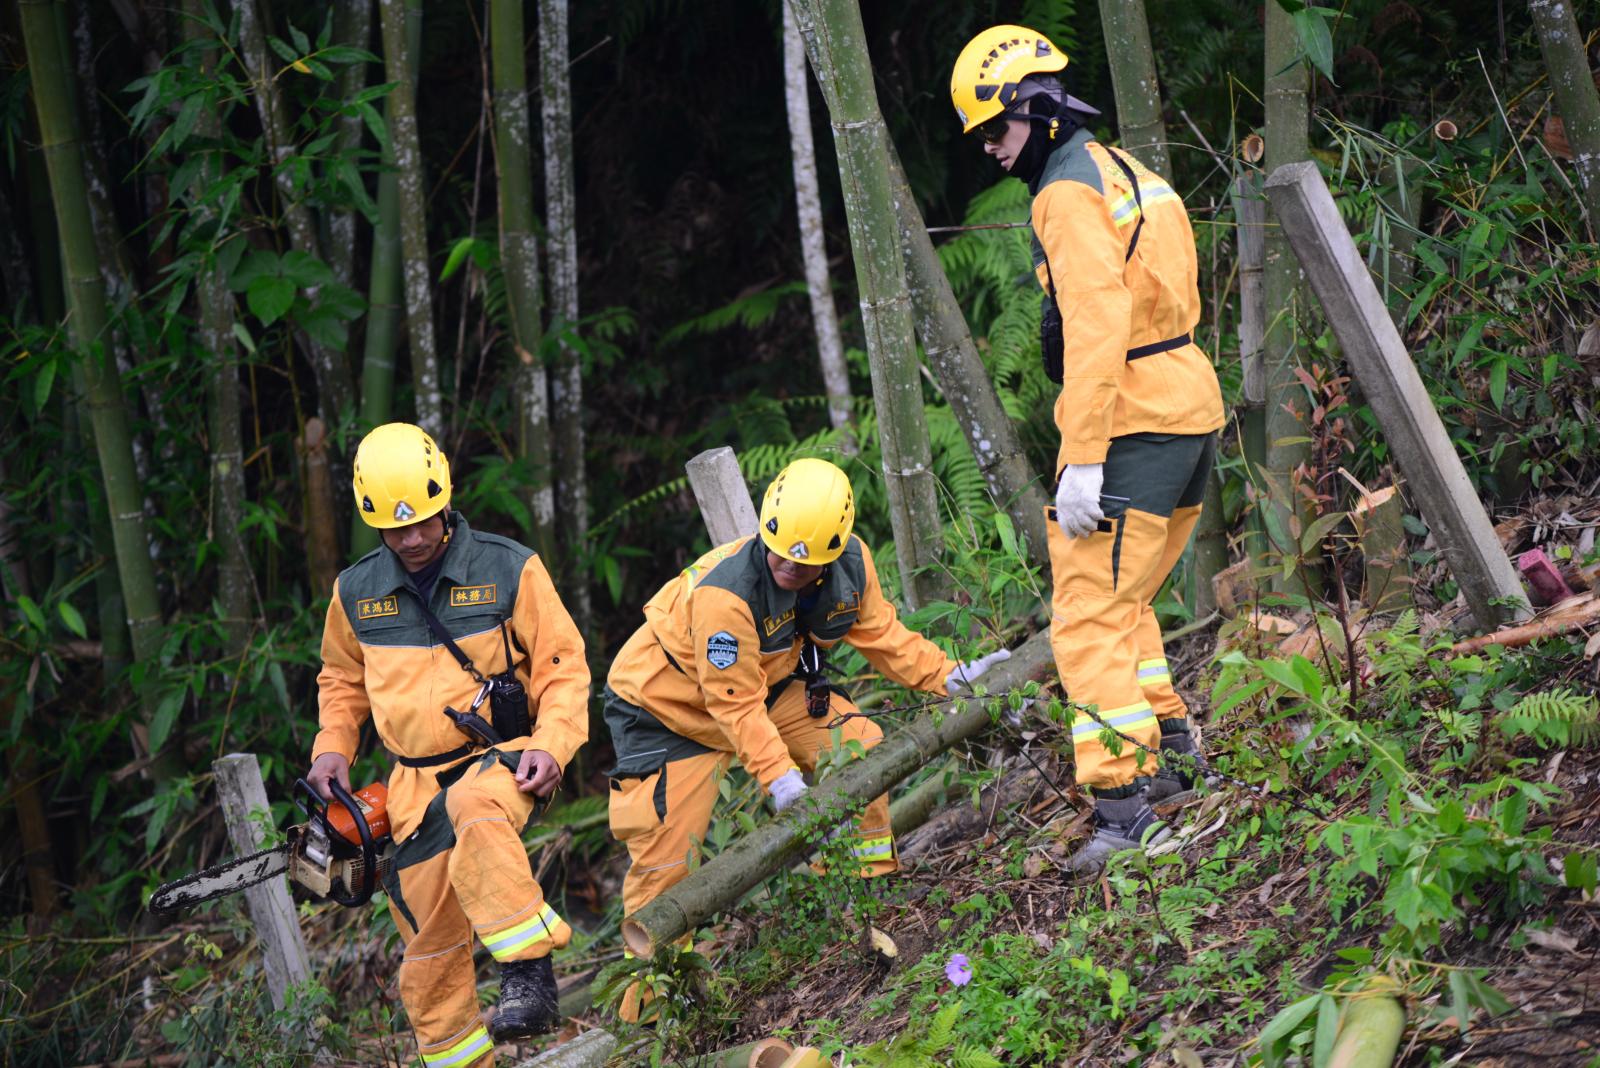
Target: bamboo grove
x,y
580,243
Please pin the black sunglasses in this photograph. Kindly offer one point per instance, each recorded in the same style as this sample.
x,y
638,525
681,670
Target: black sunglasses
x,y
994,130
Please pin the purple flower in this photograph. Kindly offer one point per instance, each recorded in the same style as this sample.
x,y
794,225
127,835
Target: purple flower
x,y
958,970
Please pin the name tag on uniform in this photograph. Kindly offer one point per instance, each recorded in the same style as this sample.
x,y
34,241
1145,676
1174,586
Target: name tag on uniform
x,y
461,596
373,607
844,608
771,625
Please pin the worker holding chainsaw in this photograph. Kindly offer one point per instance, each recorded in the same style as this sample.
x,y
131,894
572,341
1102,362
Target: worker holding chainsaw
x,y
457,645
731,661
1138,411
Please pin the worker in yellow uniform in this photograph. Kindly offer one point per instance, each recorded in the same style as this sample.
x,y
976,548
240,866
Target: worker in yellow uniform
x,y
1138,412
457,645
729,662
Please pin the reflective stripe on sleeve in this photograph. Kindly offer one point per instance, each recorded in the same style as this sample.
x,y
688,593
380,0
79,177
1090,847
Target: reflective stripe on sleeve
x,y
872,849
1129,718
502,944
1154,671
469,1049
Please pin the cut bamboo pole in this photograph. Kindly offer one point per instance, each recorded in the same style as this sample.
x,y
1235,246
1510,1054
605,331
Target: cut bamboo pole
x,y
1380,529
1370,1030
589,1050
721,881
767,1053
1577,101
1570,615
953,358
720,491
837,45
322,536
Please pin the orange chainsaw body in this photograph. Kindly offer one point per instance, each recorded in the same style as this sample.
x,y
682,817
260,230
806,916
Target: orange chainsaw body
x,y
374,803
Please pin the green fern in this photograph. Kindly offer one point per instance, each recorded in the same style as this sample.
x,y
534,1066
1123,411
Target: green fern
x,y
1553,718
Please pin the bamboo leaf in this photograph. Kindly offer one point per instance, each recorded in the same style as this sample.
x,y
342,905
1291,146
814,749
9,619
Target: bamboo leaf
x,y
74,621
166,716
30,608
41,385
458,254
1327,1031
1275,1036
1316,40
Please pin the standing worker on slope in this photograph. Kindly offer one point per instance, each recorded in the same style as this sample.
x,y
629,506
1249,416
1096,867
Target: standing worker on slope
x,y
443,617
1138,412
730,661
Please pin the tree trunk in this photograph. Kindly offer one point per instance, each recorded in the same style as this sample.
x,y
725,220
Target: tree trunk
x,y
568,452
519,262
353,21
953,358
1134,81
384,294
721,881
235,583
837,45
413,217
808,207
1285,415
1577,101
86,291
335,393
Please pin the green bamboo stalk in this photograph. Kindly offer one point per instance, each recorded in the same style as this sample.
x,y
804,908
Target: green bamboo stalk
x,y
568,452
335,390
953,358
837,45
86,292
353,21
398,68
1135,84
1577,101
519,262
235,583
1285,409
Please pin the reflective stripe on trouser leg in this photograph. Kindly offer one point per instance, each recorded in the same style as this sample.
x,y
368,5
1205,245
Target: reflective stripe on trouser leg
x,y
662,826
1157,686
437,980
808,737
489,867
1099,595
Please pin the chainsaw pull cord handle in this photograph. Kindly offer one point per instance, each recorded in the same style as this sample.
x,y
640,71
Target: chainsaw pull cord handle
x,y
369,850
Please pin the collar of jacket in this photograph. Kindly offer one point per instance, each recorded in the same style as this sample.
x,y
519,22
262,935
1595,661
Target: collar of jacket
x,y
457,560
1080,137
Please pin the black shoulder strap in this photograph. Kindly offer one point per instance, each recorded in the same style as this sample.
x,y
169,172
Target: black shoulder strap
x,y
444,638
1138,199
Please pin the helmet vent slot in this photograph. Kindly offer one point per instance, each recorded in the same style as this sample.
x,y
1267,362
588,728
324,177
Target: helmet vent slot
x,y
434,489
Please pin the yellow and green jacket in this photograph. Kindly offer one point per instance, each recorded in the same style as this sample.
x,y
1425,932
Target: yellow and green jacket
x,y
1112,304
722,632
379,658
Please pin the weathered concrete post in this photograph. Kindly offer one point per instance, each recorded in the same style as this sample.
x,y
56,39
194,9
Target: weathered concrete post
x,y
723,497
1400,400
272,913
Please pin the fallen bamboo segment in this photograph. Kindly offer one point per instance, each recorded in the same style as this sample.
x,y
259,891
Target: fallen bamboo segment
x,y
1569,615
1370,1032
767,1053
724,879
589,1050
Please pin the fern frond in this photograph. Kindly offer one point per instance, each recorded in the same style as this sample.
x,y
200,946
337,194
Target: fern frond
x,y
1557,717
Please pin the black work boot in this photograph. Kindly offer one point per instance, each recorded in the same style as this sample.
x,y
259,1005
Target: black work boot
x,y
1123,820
527,1000
1174,782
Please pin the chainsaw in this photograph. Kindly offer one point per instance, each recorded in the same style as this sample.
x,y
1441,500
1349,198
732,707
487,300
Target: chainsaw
x,y
339,853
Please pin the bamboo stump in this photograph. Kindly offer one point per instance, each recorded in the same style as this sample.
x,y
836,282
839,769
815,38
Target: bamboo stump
x,y
1386,569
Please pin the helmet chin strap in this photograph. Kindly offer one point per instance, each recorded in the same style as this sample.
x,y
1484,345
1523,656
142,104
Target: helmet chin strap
x,y
1046,133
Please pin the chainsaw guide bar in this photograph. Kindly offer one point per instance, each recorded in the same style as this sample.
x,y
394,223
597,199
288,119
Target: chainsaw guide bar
x,y
221,880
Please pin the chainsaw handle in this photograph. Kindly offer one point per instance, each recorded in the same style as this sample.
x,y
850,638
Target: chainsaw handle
x,y
318,808
369,849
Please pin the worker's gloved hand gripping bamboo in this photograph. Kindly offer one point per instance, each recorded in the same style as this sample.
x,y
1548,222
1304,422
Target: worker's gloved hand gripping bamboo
x,y
964,675
786,789
1078,499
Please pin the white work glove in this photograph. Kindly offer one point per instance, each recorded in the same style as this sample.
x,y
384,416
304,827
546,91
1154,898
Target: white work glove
x,y
964,675
1078,499
786,789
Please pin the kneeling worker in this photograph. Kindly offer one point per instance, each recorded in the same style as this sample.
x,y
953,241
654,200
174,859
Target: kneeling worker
x,y
441,617
728,662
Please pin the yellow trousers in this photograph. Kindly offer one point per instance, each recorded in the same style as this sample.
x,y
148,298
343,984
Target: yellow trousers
x,y
462,874
1103,631
663,818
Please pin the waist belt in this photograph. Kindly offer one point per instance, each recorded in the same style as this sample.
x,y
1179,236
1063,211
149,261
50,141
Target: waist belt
x,y
434,761
1158,346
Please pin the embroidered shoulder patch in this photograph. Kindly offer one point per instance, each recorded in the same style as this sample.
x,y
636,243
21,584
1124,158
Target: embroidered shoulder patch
x,y
722,649
373,607
470,595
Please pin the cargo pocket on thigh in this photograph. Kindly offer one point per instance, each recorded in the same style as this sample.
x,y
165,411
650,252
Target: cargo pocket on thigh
x,y
638,805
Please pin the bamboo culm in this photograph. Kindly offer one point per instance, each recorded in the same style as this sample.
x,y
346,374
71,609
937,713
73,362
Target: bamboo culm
x,y
353,19
1134,82
519,262
836,43
1577,102
393,15
568,453
953,358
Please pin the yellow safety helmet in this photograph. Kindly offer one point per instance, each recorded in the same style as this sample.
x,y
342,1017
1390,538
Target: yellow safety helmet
x,y
401,477
807,513
987,78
